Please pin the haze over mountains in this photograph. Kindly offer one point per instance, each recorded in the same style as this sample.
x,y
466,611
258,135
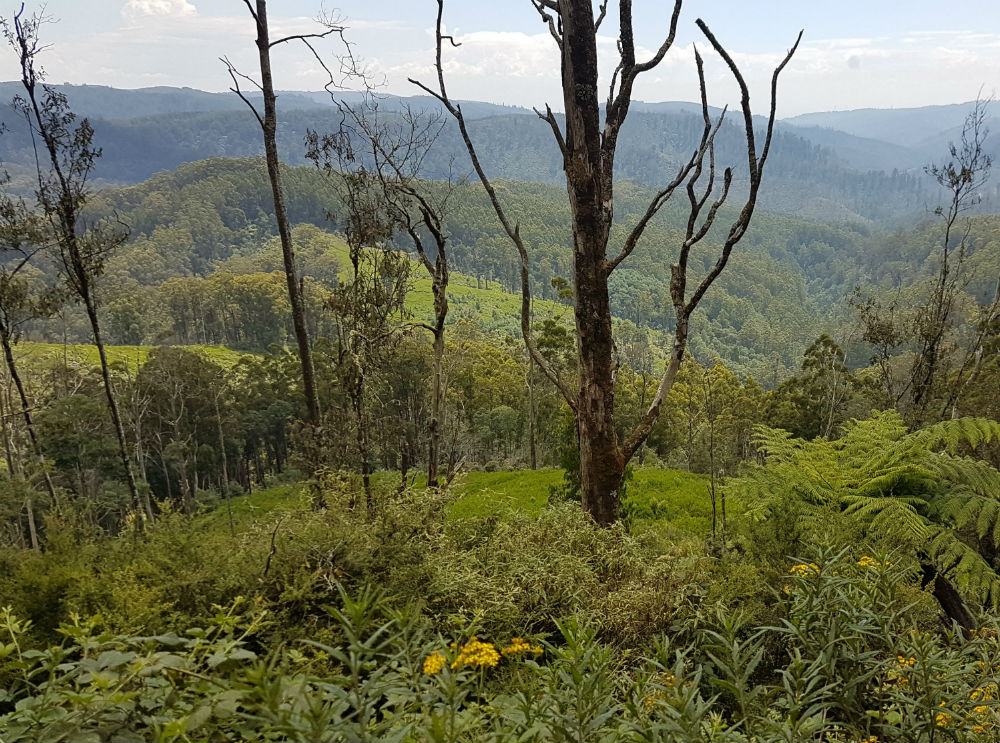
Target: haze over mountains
x,y
864,165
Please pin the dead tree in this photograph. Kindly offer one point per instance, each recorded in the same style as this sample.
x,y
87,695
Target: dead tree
x,y
68,154
963,177
587,142
268,121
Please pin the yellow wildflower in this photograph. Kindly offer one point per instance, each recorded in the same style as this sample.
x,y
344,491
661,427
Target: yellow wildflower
x,y
871,562
433,663
477,654
804,570
519,646
978,729
903,662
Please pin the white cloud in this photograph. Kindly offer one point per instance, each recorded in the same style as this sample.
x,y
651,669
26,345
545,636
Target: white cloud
x,y
135,9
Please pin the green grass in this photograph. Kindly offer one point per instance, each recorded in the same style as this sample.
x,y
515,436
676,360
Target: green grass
x,y
671,496
36,355
248,508
495,309
489,493
655,497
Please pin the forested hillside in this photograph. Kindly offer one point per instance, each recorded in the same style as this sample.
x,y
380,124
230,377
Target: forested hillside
x,y
142,133
416,419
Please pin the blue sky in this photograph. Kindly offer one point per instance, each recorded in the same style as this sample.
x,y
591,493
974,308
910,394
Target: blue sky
x,y
854,54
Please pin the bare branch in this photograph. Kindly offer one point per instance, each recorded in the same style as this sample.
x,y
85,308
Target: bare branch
x,y
253,12
693,168
629,70
602,11
541,6
550,118
513,230
236,75
304,37
684,307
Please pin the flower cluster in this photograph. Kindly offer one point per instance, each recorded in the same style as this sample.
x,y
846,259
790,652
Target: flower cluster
x,y
942,719
898,669
476,654
871,562
984,710
658,696
518,646
433,663
902,662
803,570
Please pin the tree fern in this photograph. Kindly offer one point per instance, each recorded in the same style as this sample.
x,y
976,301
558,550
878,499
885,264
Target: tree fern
x,y
910,486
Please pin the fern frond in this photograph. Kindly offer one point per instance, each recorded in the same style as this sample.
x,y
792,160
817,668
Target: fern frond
x,y
963,507
971,572
951,433
976,474
887,515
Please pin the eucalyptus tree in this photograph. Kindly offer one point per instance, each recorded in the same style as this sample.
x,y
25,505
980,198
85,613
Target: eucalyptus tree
x,y
64,165
587,139
377,159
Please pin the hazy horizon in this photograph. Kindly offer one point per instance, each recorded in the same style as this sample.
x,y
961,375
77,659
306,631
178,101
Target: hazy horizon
x,y
856,55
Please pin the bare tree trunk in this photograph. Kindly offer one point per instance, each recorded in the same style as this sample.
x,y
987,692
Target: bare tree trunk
x,y
26,414
590,195
5,426
434,427
32,530
268,124
532,453
404,462
109,392
948,598
363,453
225,467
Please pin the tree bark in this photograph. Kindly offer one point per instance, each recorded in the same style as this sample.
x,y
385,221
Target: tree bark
x,y
269,127
225,467
948,597
590,196
532,452
32,529
116,419
8,355
434,427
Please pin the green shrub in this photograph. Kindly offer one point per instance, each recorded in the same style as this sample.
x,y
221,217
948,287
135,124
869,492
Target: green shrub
x,y
848,667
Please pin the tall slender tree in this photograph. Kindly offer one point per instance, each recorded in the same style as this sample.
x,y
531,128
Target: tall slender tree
x,y
268,120
64,165
20,240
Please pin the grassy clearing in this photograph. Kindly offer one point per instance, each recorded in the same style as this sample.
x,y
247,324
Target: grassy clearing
x,y
249,508
672,496
49,355
496,493
494,309
655,497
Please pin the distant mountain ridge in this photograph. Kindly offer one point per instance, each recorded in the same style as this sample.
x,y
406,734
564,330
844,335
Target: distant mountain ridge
x,y
824,165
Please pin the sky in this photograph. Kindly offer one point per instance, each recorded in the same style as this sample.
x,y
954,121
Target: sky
x,y
854,54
